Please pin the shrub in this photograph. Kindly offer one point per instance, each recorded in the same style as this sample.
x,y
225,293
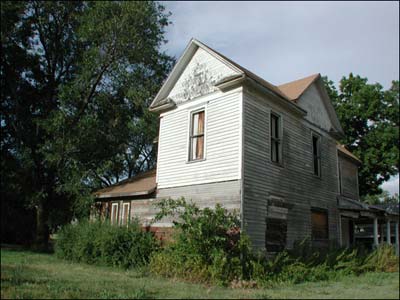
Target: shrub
x,y
208,245
102,243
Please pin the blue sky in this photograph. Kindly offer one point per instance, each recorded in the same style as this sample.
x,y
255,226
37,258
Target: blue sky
x,y
284,41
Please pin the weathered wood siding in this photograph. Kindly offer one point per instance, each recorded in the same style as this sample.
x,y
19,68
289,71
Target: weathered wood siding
x,y
348,175
294,182
313,104
199,77
222,142
226,193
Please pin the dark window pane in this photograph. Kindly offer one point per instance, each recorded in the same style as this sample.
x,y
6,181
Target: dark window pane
x,y
275,235
319,225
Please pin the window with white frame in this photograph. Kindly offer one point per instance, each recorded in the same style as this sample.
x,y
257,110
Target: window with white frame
x,y
114,213
276,137
125,214
196,135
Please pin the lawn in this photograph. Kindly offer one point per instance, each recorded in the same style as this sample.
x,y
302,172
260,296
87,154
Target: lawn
x,y
27,274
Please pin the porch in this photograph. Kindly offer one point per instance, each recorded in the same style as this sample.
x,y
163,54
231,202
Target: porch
x,y
368,225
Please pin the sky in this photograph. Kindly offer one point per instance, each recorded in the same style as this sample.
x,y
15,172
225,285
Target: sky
x,y
285,41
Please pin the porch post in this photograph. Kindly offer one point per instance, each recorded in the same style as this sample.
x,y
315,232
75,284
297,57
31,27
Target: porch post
x,y
340,231
396,230
388,241
376,242
382,230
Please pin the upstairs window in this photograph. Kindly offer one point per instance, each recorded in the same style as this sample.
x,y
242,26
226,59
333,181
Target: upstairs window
x,y
319,224
316,150
196,137
276,138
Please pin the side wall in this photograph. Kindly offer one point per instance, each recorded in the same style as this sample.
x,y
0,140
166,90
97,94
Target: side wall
x,y
348,178
292,183
222,142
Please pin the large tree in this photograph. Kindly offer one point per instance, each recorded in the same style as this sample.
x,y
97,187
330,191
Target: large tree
x,y
369,115
76,81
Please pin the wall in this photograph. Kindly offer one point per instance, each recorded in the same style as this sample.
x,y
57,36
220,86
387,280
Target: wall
x,y
293,184
222,142
199,77
349,182
312,102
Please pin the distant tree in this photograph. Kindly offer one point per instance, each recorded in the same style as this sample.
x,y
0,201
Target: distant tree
x,y
382,198
76,81
369,116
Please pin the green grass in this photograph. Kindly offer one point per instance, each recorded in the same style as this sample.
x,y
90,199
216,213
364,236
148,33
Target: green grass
x,y
27,275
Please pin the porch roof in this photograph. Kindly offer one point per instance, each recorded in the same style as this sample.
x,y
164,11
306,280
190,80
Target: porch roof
x,y
141,185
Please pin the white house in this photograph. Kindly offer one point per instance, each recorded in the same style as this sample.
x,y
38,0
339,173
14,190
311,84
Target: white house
x,y
270,152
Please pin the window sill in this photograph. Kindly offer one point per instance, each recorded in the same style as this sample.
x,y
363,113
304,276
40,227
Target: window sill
x,y
195,161
278,164
317,176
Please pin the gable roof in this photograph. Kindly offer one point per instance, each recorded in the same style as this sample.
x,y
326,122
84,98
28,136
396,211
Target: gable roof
x,y
288,93
141,185
294,89
161,97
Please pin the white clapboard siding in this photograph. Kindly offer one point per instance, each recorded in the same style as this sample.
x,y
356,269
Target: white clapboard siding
x,y
199,77
222,144
293,182
313,104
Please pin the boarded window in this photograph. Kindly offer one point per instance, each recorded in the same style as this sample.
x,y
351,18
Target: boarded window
x,y
316,155
125,214
196,143
275,235
319,224
114,213
276,138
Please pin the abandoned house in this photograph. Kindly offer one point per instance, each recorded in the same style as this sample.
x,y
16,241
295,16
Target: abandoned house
x,y
270,152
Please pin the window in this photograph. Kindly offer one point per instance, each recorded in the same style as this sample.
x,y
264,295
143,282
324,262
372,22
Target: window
x,y
114,213
196,138
319,224
125,214
276,138
316,150
275,234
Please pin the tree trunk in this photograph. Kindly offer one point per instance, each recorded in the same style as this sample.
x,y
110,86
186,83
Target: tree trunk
x,y
42,229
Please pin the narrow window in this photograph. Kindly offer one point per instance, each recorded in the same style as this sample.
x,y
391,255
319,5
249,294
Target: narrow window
x,y
276,139
125,214
319,224
316,149
114,213
196,139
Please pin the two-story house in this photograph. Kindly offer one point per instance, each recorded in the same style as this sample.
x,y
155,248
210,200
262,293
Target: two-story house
x,y
270,152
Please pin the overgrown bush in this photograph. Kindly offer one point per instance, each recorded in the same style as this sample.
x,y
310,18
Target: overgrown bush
x,y
209,247
105,244
208,244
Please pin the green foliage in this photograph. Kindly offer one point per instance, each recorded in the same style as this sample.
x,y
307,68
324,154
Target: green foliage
x,y
382,198
102,243
207,247
76,80
369,116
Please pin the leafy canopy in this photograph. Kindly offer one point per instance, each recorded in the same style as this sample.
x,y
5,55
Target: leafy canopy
x,y
76,81
369,116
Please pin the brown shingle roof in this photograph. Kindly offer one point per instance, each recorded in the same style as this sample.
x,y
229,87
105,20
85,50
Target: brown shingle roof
x,y
142,184
293,90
